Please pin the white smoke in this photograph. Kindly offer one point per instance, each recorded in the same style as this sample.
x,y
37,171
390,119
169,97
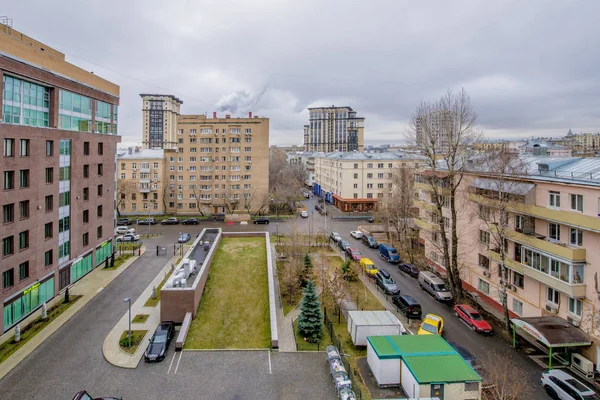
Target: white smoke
x,y
240,101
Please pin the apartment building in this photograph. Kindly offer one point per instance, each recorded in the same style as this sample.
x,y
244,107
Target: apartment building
x,y
159,115
552,225
142,187
307,160
58,137
334,129
357,181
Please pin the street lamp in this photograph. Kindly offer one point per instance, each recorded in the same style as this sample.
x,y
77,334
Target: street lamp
x,y
277,232
128,300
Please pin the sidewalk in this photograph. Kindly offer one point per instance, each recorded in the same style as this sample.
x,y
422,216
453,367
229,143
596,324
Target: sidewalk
x,y
110,348
88,287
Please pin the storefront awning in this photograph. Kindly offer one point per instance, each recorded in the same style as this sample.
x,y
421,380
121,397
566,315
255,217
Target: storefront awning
x,y
353,200
504,186
553,331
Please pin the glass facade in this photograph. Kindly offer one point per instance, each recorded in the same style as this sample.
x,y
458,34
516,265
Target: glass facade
x,y
81,268
64,205
103,252
74,112
29,300
102,118
25,103
114,127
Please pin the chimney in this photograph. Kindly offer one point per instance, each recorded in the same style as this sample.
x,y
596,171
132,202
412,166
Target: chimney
x,y
227,115
250,114
137,149
129,150
214,114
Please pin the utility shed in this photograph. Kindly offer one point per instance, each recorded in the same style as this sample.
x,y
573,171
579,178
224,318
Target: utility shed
x,y
372,323
424,365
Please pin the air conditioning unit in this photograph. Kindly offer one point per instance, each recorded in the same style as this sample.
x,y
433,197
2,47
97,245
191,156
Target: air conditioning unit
x,y
486,274
512,288
573,321
582,365
551,308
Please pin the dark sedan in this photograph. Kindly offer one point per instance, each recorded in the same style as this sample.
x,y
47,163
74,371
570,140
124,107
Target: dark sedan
x,y
157,349
370,241
124,222
410,270
262,221
84,395
190,221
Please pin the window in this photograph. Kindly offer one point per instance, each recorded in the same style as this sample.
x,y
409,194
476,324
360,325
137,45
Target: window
x,y
554,231
369,186
484,212
24,178
24,270
484,262
517,307
576,237
100,187
355,176
9,147
48,258
100,148
23,240
369,176
552,295
49,148
8,246
48,230
8,213
380,165
518,279
99,211
380,176
484,237
86,194
24,147
8,278
64,199
86,148
100,169
49,175
369,195
99,232
86,171
519,222
86,216
483,286
576,202
86,239
553,199
49,202
9,180
24,209
575,306
369,165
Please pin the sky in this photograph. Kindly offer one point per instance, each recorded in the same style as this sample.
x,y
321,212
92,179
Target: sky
x,y
531,67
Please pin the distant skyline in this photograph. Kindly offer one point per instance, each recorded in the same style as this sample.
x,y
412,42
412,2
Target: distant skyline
x,y
529,67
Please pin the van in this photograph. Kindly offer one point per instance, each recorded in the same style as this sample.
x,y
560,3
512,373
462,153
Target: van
x,y
436,287
368,266
389,253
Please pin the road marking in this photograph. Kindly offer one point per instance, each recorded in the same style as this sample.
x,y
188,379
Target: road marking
x,y
270,371
178,360
99,289
170,365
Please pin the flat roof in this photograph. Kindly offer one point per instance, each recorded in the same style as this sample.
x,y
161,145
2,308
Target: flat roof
x,y
553,331
142,154
444,369
373,318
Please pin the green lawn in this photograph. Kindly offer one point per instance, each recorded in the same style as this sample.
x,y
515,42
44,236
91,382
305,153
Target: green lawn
x,y
362,296
9,347
153,302
306,346
140,318
136,339
234,309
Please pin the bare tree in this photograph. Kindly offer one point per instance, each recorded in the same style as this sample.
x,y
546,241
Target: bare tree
x,y
503,378
445,132
125,188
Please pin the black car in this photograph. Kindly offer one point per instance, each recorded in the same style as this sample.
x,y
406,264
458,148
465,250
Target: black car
x,y
124,222
262,220
370,241
343,244
318,207
371,219
190,221
410,270
157,349
84,395
408,306
466,354
386,282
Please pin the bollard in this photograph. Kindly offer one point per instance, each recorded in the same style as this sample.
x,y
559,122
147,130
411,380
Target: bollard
x,y
139,251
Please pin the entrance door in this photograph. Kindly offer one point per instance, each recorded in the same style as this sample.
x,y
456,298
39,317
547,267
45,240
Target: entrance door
x,y
437,390
64,278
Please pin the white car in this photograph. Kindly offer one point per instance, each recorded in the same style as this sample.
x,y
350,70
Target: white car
x,y
304,214
560,385
130,237
123,230
356,234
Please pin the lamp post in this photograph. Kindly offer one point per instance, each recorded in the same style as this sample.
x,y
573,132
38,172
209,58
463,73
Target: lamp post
x,y
128,300
277,232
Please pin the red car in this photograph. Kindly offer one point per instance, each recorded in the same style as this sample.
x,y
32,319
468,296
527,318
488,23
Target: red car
x,y
472,318
353,253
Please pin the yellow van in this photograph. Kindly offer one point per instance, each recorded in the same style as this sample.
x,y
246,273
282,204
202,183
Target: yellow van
x,y
368,266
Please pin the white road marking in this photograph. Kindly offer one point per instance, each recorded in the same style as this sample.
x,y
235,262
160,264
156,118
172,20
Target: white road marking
x,y
170,365
178,360
270,371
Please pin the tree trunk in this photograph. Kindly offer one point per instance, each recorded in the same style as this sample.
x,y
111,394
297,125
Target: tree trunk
x,y
503,285
457,281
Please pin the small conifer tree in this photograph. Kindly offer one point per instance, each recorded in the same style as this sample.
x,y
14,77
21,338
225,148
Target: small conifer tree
x,y
310,321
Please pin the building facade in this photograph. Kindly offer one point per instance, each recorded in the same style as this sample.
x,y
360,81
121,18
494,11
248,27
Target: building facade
x,y
307,160
159,114
334,129
552,228
58,136
358,181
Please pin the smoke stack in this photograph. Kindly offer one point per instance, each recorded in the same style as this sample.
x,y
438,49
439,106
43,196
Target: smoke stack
x,y
214,114
227,115
250,114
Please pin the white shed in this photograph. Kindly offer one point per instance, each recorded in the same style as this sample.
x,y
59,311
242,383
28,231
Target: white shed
x,y
372,323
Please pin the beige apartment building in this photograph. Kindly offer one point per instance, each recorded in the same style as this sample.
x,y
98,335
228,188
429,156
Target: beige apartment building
x,y
159,115
553,231
218,165
58,126
357,181
334,129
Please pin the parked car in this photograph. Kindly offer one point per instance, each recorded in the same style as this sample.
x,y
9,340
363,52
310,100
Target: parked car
x,y
84,395
262,220
371,220
184,238
318,207
436,287
353,253
431,325
408,306
170,221
466,354
370,241
124,222
122,230
356,234
384,280
335,237
472,318
304,214
561,385
147,221
157,349
190,221
343,244
389,253
130,237
368,266
410,270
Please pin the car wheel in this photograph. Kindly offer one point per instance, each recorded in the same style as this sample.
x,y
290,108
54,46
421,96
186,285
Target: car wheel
x,y
551,392
473,327
456,314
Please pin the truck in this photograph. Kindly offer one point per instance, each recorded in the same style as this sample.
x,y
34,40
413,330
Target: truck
x,y
389,253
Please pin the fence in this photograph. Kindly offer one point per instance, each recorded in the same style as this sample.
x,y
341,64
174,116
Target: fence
x,y
128,248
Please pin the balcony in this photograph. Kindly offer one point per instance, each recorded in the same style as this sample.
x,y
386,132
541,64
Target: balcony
x,y
423,205
574,290
427,226
145,170
144,189
144,180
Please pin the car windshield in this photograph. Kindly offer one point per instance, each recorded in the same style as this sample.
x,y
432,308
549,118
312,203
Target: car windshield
x,y
161,338
429,328
580,387
388,281
356,253
476,316
591,396
440,288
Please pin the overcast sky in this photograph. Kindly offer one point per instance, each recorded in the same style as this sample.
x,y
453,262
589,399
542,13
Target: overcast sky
x,y
531,67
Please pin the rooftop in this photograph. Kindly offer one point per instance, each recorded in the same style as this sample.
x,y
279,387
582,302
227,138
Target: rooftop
x,y
141,154
377,318
170,96
365,155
